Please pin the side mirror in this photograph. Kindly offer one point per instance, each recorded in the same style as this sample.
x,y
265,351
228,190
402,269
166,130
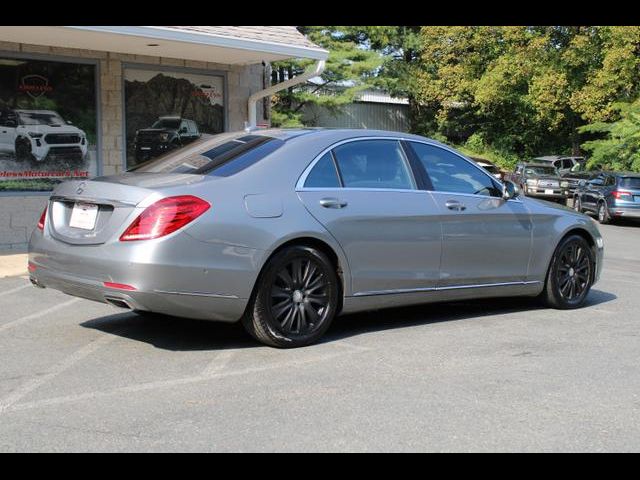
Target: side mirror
x,y
510,190
582,183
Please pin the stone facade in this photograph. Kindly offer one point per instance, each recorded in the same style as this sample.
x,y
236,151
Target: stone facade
x,y
19,214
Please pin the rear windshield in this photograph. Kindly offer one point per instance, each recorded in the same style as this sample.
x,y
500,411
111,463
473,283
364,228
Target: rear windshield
x,y
221,156
629,182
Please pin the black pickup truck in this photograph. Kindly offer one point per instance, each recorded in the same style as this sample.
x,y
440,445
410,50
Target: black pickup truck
x,y
540,180
166,134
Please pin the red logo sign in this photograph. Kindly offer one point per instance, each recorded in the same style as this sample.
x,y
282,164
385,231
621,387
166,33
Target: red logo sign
x,y
34,85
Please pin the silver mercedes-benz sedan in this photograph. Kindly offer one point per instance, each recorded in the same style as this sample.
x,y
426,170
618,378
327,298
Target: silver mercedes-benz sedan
x,y
285,229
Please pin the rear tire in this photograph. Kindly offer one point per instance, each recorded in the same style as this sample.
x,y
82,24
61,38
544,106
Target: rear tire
x,y
295,299
570,274
603,214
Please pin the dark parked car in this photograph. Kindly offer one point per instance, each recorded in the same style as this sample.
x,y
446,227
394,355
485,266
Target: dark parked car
x,y
577,173
610,195
166,134
564,164
540,180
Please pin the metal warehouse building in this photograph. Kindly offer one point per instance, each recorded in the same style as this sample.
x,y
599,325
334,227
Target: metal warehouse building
x,y
83,101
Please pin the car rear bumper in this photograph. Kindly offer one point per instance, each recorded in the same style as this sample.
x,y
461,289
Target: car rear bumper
x,y
625,212
184,278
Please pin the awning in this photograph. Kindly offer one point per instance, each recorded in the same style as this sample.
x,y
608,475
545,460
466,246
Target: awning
x,y
227,45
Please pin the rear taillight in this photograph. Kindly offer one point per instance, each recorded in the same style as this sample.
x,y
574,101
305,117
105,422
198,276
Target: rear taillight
x,y
120,286
165,217
620,195
43,218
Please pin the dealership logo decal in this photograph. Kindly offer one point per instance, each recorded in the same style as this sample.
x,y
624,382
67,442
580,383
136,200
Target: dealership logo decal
x,y
34,85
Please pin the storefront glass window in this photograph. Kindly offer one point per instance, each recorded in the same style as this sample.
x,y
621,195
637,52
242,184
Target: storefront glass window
x,y
48,123
166,110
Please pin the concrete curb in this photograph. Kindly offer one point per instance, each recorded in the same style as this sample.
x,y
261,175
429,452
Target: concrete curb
x,y
13,264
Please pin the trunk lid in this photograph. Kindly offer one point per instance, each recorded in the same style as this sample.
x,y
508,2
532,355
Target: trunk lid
x,y
116,198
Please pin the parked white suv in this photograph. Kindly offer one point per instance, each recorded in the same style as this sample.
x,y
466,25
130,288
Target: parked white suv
x,y
30,135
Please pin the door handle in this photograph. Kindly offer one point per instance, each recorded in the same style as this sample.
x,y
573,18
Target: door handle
x,y
333,203
455,205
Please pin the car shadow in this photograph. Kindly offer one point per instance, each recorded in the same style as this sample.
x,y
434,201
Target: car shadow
x,y
380,320
173,333
180,334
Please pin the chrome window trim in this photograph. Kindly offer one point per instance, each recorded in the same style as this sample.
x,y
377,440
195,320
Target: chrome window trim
x,y
468,160
437,289
303,177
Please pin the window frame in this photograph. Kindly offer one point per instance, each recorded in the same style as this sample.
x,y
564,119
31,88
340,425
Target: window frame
x,y
300,184
499,185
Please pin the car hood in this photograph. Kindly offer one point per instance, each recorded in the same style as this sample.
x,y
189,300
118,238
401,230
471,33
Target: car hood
x,y
44,129
545,177
579,176
156,130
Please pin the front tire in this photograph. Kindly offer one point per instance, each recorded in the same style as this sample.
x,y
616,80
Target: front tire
x,y
23,150
296,299
570,274
576,205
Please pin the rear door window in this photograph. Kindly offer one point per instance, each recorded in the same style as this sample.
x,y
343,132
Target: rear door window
x,y
373,164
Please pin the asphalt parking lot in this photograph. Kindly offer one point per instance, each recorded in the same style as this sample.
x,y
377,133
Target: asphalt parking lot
x,y
493,375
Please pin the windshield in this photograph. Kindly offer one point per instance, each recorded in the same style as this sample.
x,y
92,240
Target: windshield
x,y
172,123
40,118
221,156
541,170
630,182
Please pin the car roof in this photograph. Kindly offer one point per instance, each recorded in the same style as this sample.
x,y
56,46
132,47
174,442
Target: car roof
x,y
337,134
538,164
553,158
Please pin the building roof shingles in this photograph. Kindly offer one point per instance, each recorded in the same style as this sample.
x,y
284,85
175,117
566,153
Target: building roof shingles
x,y
285,35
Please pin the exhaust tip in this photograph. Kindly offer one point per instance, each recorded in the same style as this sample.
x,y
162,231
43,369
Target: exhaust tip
x,y
35,283
118,302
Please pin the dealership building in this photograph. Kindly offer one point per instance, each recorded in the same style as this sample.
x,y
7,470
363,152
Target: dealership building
x,y
83,101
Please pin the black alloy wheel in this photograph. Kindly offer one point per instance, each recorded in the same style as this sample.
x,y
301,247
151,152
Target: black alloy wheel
x,y
571,274
299,296
296,298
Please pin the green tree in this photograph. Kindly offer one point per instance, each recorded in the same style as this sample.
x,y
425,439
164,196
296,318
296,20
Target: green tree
x,y
349,69
614,73
400,47
620,147
515,87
